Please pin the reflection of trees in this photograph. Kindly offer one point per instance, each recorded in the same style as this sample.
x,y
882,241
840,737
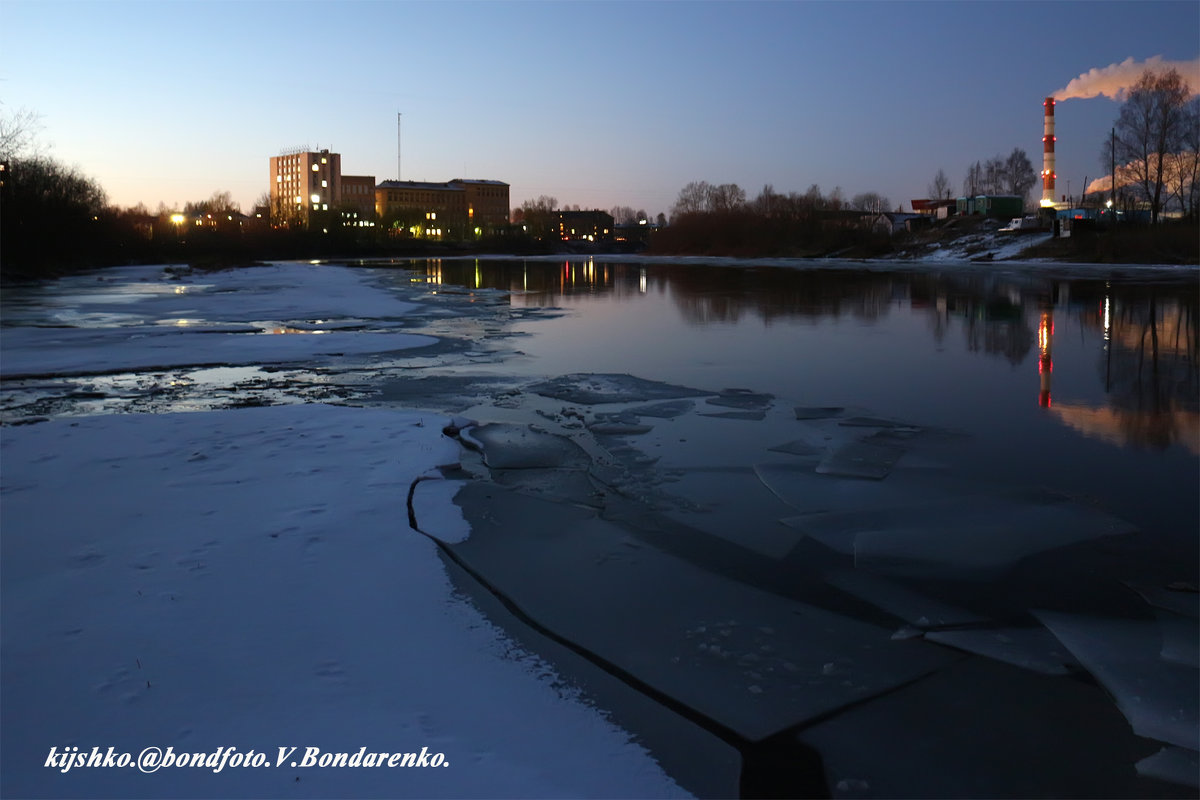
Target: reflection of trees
x,y
707,295
1011,339
1150,367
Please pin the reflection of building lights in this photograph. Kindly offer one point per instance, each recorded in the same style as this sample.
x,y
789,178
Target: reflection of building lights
x,y
1107,319
642,281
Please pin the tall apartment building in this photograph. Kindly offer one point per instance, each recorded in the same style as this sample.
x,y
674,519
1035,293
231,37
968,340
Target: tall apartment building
x,y
303,182
306,182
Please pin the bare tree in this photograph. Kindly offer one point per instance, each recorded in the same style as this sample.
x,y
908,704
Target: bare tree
x,y
1018,176
692,199
1152,124
939,188
975,179
726,197
1184,168
871,201
18,134
623,215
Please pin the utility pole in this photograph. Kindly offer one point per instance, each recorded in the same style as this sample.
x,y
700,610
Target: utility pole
x,y
398,172
1112,152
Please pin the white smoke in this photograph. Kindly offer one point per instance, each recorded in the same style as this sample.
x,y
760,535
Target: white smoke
x,y
1116,80
1177,168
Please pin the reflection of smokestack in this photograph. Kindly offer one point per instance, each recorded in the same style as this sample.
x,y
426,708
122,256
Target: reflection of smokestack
x,y
1045,359
1048,154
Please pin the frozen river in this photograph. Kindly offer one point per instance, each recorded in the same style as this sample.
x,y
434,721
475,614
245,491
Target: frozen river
x,y
801,529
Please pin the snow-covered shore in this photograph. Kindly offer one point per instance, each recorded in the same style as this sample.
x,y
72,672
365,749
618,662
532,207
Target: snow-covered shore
x,y
247,578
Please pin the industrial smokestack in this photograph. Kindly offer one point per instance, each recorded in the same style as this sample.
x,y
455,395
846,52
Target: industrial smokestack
x,y
1048,154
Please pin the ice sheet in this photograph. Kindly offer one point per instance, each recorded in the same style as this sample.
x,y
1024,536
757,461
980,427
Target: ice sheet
x,y
861,460
750,660
435,511
597,388
512,446
1160,699
248,578
1173,764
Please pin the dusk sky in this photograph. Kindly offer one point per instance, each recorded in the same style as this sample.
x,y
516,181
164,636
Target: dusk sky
x,y
595,103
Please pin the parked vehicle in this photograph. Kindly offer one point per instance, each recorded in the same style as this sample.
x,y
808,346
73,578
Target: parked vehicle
x,y
1018,224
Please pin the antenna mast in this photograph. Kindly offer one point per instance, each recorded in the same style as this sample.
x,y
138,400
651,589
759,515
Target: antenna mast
x,y
398,172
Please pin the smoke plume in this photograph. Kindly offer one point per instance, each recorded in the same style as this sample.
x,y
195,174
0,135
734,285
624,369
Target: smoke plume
x,y
1177,169
1116,80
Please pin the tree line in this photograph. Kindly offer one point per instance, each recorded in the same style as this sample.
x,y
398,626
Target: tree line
x,y
719,219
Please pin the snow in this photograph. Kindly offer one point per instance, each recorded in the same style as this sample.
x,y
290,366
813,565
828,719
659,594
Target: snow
x,y
248,578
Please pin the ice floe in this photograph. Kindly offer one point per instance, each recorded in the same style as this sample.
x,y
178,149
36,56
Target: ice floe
x,y
1158,697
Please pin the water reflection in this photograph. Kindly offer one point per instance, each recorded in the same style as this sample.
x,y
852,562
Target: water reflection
x,y
1149,370
1144,336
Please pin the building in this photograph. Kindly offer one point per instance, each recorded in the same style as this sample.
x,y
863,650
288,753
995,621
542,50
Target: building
x,y
591,226
357,202
996,206
459,209
304,183
937,209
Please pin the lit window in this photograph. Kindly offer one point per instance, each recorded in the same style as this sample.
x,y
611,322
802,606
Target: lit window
x,y
279,179
324,184
315,167
316,198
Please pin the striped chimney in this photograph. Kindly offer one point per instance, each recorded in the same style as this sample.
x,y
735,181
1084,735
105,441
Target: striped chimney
x,y
1048,140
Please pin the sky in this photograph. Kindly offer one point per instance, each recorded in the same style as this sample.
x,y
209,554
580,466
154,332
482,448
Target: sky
x,y
596,104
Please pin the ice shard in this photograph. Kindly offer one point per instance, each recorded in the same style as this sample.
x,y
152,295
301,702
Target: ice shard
x,y
1159,698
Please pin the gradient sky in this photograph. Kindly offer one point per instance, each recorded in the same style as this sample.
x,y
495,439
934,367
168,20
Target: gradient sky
x,y
595,103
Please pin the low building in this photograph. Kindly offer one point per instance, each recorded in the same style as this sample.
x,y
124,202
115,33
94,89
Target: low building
x,y
589,226
358,193
459,209
893,222
996,206
935,209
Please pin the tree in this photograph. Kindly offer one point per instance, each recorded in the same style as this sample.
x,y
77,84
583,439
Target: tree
x,y
18,134
972,179
1017,175
623,215
52,215
1184,167
726,197
537,215
1152,124
692,199
870,201
939,188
